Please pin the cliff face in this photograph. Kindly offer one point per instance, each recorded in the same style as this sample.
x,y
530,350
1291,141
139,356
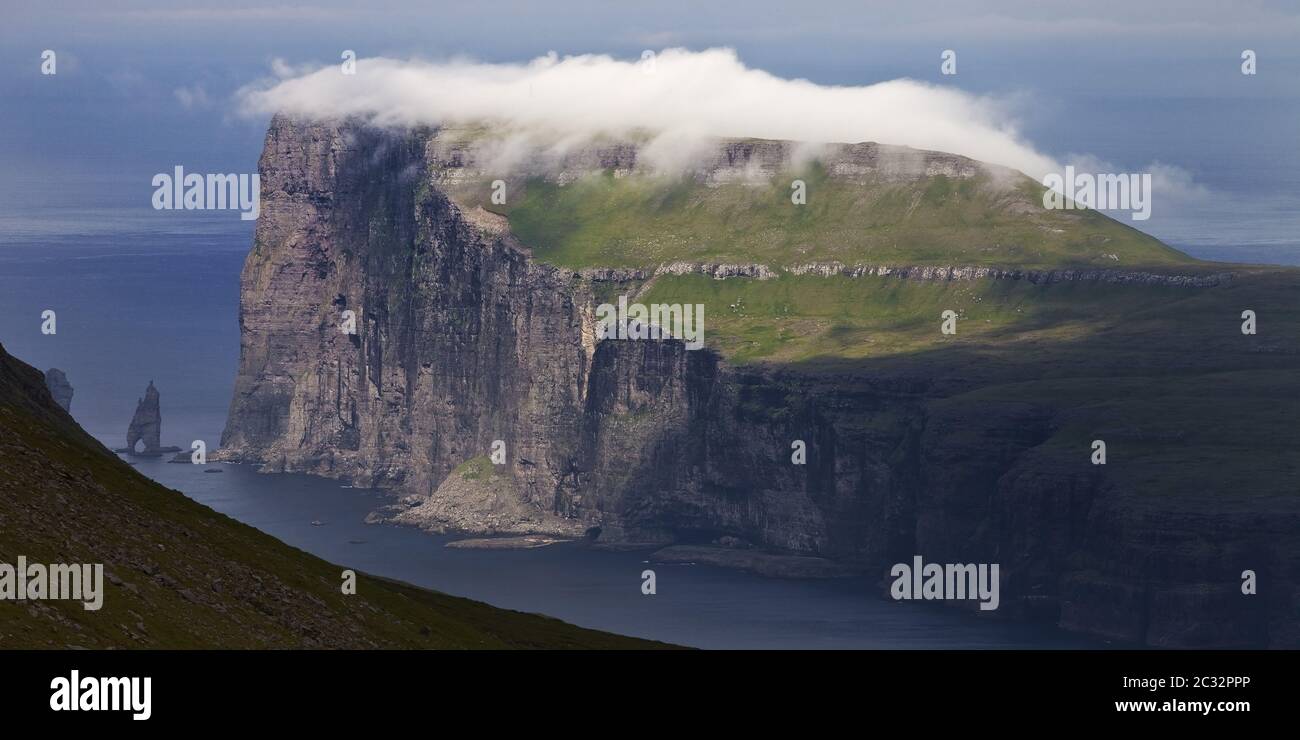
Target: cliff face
x,y
462,340
459,339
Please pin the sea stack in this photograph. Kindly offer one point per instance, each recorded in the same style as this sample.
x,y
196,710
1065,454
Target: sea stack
x,y
146,424
59,387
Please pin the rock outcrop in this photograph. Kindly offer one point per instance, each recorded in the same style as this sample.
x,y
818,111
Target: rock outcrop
x,y
59,387
490,504
146,425
464,345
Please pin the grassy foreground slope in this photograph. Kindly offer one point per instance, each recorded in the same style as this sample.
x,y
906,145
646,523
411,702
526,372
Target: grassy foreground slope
x,y
179,575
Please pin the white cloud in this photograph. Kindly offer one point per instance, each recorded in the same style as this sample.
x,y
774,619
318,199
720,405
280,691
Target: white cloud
x,y
192,98
1173,187
685,95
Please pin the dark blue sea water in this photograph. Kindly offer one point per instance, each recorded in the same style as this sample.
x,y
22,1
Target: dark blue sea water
x,y
161,306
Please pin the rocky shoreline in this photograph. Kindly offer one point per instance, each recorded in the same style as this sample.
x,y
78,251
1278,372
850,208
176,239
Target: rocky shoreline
x,y
505,543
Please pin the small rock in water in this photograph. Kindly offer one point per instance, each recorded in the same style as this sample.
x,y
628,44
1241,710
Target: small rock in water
x,y
146,424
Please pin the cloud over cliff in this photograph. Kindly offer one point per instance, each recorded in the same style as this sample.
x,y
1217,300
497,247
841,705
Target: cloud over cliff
x,y
675,96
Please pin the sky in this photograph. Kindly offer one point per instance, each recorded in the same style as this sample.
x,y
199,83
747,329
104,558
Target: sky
x,y
1155,86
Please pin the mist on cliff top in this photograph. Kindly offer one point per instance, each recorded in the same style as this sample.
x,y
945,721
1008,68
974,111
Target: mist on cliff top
x,y
682,98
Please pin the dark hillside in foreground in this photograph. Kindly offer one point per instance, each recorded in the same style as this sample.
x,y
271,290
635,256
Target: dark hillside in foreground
x,y
179,575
